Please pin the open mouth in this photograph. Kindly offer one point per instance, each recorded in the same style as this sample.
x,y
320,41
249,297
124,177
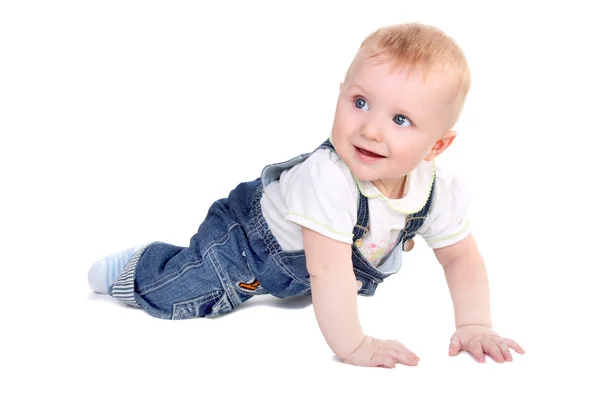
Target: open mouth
x,y
367,155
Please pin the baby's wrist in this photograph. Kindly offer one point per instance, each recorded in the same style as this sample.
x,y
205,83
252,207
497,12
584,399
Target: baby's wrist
x,y
347,358
474,324
475,319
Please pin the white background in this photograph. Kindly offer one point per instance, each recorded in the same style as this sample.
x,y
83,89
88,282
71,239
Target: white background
x,y
121,121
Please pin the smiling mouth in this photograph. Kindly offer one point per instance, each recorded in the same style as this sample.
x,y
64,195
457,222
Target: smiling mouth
x,y
368,153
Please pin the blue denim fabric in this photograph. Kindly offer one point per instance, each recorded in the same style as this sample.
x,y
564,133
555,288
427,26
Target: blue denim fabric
x,y
235,256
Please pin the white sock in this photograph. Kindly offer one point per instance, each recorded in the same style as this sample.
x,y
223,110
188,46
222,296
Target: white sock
x,y
104,272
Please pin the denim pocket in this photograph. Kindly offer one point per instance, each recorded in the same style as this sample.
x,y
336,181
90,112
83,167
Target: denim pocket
x,y
208,305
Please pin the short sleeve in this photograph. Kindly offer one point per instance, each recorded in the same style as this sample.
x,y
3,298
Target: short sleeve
x,y
320,194
448,221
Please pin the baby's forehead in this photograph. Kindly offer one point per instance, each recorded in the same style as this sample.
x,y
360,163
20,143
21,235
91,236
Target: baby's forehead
x,y
392,74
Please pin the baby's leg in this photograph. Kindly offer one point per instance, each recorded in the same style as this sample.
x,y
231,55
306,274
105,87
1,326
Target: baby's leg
x,y
210,277
207,279
175,282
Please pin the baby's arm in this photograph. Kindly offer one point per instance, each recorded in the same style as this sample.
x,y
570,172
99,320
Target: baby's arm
x,y
333,286
469,289
467,281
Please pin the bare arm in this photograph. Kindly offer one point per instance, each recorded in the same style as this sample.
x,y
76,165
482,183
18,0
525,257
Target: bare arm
x,y
467,281
469,288
333,287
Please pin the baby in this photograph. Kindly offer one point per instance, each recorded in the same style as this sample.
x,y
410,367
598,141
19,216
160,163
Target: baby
x,y
333,222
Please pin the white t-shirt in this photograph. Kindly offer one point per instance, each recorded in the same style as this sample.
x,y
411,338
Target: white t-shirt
x,y
322,194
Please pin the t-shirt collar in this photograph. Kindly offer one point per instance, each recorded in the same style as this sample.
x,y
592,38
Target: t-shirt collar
x,y
416,189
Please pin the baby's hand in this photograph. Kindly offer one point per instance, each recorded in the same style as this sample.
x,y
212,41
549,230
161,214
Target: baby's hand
x,y
381,353
479,339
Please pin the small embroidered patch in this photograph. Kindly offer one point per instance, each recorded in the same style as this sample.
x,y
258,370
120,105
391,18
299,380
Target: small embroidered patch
x,y
251,286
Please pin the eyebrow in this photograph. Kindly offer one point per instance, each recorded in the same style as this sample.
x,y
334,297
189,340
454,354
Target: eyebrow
x,y
357,86
399,109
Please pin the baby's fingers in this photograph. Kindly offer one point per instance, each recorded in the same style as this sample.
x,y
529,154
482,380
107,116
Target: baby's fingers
x,y
405,356
400,352
455,346
392,352
513,345
491,348
501,343
382,359
474,347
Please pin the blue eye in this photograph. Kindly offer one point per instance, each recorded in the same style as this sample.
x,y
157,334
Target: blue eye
x,y
402,120
361,104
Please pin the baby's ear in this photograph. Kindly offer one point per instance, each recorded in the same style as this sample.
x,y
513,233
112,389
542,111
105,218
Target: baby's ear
x,y
441,145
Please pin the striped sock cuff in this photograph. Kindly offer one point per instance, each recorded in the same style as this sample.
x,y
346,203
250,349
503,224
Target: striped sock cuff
x,y
123,286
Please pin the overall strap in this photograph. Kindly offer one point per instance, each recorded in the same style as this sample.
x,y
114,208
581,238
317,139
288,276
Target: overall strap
x,y
415,221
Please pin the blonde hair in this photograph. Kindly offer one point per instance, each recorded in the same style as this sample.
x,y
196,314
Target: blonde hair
x,y
414,45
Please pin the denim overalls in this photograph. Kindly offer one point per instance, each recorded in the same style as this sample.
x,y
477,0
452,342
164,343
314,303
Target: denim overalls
x,y
234,256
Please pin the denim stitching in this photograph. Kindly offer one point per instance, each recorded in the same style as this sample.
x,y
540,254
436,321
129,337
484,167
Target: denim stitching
x,y
293,257
289,273
169,278
367,274
219,309
189,265
225,280
213,296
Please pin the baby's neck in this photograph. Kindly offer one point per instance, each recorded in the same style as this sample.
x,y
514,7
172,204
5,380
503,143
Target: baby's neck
x,y
392,189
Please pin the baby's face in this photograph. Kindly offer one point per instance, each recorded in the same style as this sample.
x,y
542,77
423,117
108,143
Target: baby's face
x,y
387,121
